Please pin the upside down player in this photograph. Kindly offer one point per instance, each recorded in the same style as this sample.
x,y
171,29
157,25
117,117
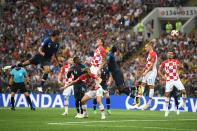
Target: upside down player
x,y
46,51
171,66
68,91
95,90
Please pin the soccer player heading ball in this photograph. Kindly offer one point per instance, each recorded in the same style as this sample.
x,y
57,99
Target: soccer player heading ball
x,y
46,51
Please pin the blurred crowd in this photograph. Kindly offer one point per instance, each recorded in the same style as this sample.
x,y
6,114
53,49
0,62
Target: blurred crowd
x,y
24,25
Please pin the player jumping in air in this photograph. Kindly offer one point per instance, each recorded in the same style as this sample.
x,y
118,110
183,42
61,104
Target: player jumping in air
x,y
116,73
46,51
149,75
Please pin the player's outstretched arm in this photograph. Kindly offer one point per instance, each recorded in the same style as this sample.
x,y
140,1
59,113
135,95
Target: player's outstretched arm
x,y
160,72
70,84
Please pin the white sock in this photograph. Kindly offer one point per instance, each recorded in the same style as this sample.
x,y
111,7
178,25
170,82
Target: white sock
x,y
101,107
84,108
66,103
184,96
151,93
167,99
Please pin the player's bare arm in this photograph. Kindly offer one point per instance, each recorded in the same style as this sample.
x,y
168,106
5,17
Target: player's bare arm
x,y
147,69
110,81
70,84
98,81
160,72
59,77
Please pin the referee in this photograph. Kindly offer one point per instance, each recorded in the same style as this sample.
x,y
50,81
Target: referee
x,y
17,82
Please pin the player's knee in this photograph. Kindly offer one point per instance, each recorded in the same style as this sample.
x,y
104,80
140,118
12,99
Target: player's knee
x,y
167,94
98,99
183,91
26,94
12,94
83,101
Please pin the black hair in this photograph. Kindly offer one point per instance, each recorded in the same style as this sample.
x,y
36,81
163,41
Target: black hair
x,y
55,32
75,59
113,49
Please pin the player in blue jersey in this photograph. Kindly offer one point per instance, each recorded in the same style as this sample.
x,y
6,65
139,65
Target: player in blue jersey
x,y
46,51
116,73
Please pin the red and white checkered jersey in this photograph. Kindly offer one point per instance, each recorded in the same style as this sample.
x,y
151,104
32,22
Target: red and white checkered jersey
x,y
151,59
98,56
170,67
64,72
90,81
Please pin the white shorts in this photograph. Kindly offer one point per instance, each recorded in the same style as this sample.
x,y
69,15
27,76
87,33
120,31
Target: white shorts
x,y
94,70
93,93
68,91
170,84
150,77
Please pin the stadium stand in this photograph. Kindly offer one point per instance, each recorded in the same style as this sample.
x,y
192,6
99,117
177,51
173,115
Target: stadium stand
x,y
25,24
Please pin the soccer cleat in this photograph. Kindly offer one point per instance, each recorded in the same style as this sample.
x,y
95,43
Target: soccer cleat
x,y
166,113
80,116
85,115
109,112
6,68
12,108
103,116
39,89
178,112
64,114
146,107
95,112
33,108
77,115
137,103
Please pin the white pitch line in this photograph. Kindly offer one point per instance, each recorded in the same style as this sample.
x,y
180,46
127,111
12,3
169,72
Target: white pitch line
x,y
82,124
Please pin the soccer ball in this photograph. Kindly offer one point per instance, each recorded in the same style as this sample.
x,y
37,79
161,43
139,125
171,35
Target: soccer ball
x,y
174,33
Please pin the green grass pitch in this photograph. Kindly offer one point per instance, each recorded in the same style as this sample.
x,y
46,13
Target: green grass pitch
x,y
23,119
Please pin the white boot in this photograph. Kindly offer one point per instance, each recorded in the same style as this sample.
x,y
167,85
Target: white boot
x,y
103,115
166,113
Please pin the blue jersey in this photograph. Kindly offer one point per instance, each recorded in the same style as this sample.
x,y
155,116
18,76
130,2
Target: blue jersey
x,y
18,75
112,64
105,75
77,70
49,47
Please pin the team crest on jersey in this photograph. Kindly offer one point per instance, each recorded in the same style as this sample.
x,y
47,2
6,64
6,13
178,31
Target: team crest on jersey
x,y
20,74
